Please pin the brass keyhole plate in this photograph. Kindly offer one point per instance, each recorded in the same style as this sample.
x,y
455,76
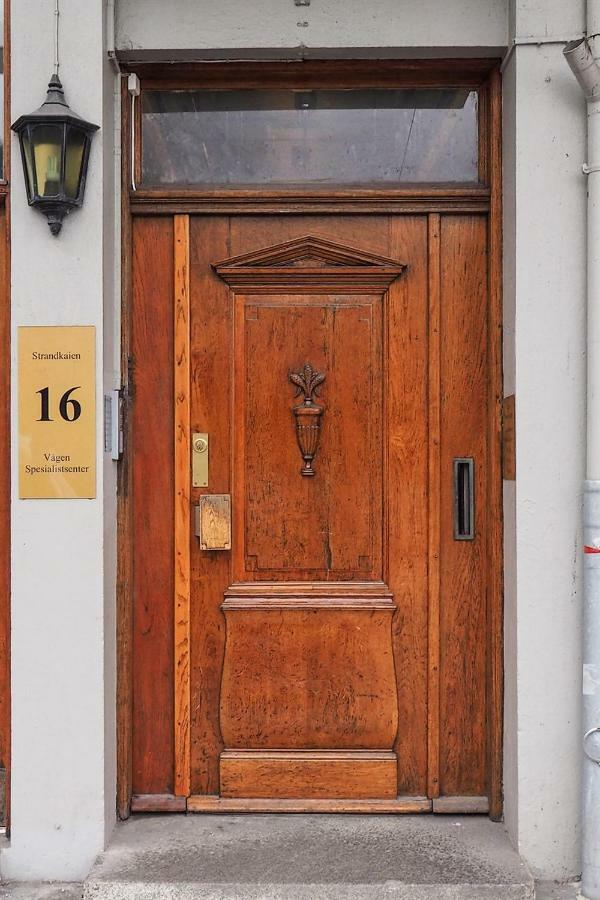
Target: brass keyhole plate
x,y
199,459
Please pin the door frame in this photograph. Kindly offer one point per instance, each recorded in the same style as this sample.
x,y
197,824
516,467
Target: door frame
x,y
481,74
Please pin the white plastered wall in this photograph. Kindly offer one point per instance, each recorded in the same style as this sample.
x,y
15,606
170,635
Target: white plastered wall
x,y
152,26
63,634
544,357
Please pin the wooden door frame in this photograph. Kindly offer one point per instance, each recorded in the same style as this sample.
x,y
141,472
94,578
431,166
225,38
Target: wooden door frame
x,y
483,75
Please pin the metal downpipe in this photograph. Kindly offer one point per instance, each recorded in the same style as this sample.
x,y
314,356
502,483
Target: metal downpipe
x,y
590,887
581,59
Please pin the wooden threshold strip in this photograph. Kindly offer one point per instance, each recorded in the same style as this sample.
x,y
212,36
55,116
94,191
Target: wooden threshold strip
x,y
200,803
152,803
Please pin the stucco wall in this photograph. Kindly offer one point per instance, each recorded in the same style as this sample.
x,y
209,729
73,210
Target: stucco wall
x,y
63,745
182,25
510,761
545,246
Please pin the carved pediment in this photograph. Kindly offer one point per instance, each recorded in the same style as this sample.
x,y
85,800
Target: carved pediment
x,y
307,261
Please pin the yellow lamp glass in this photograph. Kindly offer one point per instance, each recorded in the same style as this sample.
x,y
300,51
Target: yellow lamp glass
x,y
73,159
47,151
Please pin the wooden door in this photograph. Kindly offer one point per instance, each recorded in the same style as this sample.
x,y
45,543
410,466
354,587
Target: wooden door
x,y
335,654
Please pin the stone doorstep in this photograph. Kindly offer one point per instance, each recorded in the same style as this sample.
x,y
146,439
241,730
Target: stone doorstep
x,y
36,891
64,891
382,891
304,857
551,890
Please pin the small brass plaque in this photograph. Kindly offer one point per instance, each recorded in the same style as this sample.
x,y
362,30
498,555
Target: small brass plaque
x,y
199,459
213,522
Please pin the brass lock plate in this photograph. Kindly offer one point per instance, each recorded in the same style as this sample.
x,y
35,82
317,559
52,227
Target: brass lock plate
x,y
199,459
213,521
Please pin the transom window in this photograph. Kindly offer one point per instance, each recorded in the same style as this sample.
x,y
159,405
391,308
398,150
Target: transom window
x,y
309,137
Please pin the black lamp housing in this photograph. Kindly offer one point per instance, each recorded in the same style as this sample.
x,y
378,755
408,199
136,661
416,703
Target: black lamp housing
x,y
55,149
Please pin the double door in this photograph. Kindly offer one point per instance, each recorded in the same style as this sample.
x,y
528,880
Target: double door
x,y
311,534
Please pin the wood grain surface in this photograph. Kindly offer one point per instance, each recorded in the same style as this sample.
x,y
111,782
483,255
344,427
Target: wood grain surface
x,y
345,617
463,564
288,775
153,504
211,412
397,806
155,803
323,678
434,484
406,517
182,511
495,533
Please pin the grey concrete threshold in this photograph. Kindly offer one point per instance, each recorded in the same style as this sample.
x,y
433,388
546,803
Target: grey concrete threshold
x,y
30,890
304,857
551,890
37,891
302,892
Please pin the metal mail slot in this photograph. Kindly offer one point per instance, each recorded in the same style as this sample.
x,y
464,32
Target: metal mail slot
x,y
464,498
212,521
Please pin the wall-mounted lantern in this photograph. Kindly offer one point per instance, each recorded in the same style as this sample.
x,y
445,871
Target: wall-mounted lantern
x,y
55,148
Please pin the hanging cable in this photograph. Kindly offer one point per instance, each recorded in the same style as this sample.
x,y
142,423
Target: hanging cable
x,y
132,128
56,17
133,86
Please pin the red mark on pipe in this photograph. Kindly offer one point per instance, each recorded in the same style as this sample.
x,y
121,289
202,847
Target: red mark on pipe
x,y
587,549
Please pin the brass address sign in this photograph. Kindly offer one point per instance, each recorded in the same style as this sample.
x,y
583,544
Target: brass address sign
x,y
57,412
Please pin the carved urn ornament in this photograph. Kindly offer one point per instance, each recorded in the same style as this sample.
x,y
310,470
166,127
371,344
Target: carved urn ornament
x,y
308,415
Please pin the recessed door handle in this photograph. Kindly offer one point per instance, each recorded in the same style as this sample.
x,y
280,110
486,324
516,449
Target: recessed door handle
x,y
464,498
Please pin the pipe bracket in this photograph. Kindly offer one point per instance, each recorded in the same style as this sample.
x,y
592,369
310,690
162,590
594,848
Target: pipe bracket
x,y
587,735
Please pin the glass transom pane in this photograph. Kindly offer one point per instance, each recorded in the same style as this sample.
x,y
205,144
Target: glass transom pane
x,y
317,137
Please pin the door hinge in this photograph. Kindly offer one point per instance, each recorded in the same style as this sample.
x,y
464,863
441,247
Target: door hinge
x,y
114,405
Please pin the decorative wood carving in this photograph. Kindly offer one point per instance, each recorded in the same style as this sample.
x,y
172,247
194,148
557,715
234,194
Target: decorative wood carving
x,y
308,415
309,264
361,595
